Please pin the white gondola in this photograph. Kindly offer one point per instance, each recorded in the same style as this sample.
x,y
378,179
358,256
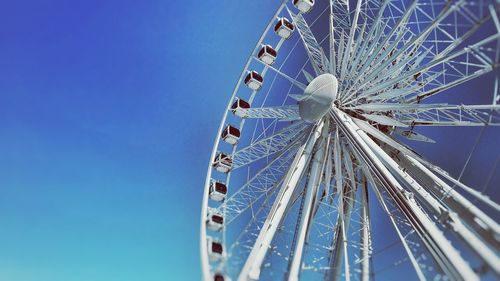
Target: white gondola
x,y
218,190
239,106
218,276
222,163
267,54
230,135
215,249
284,28
303,5
254,80
215,221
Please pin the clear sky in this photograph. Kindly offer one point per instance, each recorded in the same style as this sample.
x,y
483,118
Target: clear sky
x,y
108,111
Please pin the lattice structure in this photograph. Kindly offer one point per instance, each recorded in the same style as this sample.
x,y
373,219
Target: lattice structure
x,y
301,191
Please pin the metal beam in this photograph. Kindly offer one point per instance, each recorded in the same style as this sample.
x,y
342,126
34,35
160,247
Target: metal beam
x,y
268,146
483,225
283,113
307,211
365,236
251,269
446,216
448,258
346,200
314,51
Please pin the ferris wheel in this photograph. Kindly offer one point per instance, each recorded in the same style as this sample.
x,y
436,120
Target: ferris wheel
x,y
313,173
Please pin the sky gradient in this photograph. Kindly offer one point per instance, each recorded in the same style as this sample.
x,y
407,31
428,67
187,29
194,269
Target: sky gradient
x,y
107,115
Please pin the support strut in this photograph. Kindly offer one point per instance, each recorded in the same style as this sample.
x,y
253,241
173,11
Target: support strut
x,y
251,269
447,257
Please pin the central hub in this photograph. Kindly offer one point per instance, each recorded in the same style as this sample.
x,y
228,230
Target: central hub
x,y
318,97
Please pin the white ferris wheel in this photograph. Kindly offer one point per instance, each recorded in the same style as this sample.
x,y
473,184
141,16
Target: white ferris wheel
x,y
313,174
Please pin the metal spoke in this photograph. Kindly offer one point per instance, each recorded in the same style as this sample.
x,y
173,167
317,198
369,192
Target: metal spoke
x,y
252,267
314,50
284,113
268,146
265,180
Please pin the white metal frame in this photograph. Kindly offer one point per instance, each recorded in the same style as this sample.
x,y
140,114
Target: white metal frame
x,y
389,57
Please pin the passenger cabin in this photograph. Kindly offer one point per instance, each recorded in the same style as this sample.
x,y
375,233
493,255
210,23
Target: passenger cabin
x,y
267,54
303,5
231,135
215,250
222,163
220,277
254,80
215,221
284,28
218,191
239,106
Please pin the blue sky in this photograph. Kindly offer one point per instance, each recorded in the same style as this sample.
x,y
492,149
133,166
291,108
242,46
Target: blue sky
x,y
108,111
107,114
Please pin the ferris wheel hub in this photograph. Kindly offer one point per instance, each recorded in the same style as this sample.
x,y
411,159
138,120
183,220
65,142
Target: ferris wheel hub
x,y
318,98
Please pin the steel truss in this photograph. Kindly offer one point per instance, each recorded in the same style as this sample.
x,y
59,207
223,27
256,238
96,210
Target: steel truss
x,y
300,195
